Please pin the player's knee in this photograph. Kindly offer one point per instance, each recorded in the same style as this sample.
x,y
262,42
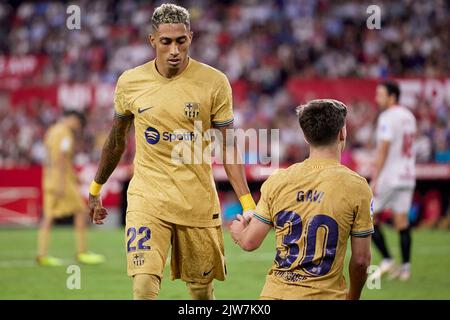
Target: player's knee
x,y
47,223
401,223
79,219
146,287
200,291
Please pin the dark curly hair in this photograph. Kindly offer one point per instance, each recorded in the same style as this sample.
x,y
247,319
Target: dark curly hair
x,y
321,120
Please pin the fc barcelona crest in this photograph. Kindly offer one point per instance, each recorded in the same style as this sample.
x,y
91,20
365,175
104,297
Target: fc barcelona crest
x,y
138,260
191,110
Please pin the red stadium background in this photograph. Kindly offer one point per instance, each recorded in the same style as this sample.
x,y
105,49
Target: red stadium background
x,y
20,186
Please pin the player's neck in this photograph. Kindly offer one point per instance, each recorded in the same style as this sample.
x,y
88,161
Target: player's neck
x,y
394,105
332,153
170,73
67,123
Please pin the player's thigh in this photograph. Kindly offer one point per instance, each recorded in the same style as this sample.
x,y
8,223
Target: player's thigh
x,y
198,254
50,202
47,222
147,242
401,221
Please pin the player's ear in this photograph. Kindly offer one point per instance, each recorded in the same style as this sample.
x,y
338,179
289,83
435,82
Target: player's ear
x,y
343,134
392,99
152,40
191,35
342,137
305,140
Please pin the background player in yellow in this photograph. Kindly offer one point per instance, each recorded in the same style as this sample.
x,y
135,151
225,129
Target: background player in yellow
x,y
314,207
62,196
172,100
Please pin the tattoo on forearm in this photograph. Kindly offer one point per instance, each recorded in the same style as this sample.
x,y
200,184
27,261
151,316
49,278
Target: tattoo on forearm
x,y
113,149
233,163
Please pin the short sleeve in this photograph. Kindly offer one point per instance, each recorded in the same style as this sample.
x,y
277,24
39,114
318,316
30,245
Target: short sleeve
x,y
121,109
384,129
263,210
363,219
222,109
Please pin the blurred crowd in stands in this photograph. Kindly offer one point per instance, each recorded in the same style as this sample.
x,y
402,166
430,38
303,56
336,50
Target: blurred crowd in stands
x,y
258,44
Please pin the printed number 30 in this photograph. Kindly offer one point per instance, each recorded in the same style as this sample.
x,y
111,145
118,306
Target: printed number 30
x,y
291,240
146,234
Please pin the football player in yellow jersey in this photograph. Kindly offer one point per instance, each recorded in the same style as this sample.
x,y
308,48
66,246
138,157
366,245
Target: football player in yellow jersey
x,y
314,207
172,101
61,194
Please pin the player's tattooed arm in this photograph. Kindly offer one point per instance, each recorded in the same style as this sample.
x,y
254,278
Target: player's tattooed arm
x,y
112,152
113,148
233,163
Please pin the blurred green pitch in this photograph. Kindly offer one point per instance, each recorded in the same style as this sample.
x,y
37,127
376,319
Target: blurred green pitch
x,y
21,278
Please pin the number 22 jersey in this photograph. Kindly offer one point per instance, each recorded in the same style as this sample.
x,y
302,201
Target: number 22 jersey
x,y
314,207
171,180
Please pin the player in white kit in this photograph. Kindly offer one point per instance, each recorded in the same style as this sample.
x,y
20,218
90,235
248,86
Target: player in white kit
x,y
394,177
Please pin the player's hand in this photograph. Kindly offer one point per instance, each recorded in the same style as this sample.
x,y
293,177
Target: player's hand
x,y
248,215
236,228
96,211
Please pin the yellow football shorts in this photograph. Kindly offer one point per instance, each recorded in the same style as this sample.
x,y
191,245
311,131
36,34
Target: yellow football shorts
x,y
59,207
197,254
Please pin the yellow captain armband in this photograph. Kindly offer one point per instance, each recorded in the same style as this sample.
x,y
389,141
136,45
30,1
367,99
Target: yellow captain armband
x,y
247,202
95,188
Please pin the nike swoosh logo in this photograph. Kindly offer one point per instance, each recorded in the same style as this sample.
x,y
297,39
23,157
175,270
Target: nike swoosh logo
x,y
140,110
206,273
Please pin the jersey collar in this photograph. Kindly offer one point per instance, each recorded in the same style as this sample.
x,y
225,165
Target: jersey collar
x,y
321,162
162,78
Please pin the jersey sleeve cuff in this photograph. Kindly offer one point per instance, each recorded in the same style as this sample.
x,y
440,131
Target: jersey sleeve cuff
x,y
364,233
122,115
222,123
262,219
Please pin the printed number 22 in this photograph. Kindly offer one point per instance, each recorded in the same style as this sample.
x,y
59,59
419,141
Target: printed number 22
x,y
146,234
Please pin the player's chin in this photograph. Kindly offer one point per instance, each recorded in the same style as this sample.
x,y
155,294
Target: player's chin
x,y
174,67
175,64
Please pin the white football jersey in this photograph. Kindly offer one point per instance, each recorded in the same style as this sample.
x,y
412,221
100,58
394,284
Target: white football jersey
x,y
398,125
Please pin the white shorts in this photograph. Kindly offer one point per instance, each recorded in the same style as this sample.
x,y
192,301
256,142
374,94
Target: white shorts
x,y
396,199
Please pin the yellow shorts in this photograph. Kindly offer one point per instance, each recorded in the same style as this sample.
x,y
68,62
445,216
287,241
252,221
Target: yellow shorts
x,y
67,205
197,254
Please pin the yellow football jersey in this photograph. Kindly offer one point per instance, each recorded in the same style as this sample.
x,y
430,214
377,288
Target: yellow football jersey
x,y
314,207
58,139
170,117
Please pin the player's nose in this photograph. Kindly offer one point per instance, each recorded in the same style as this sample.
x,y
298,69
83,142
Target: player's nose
x,y
174,50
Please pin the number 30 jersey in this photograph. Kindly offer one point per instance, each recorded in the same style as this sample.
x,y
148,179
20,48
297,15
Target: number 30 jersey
x,y
314,207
